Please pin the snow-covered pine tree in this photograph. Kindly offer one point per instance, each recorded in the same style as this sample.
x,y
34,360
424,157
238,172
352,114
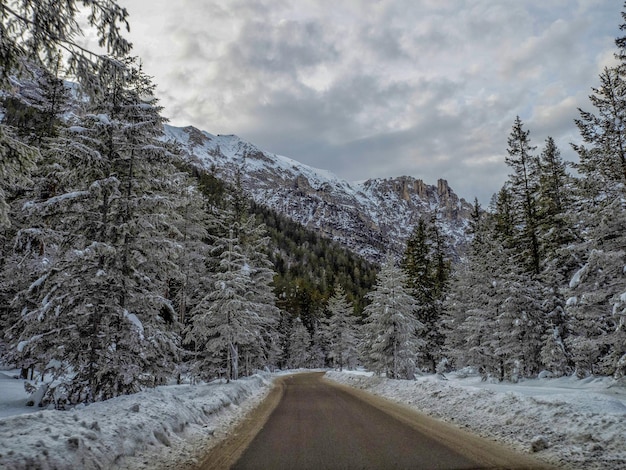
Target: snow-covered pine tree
x,y
596,288
264,350
233,328
603,154
341,330
39,30
37,103
32,114
100,319
189,287
17,159
518,323
469,311
555,184
596,296
554,200
32,33
520,326
496,321
556,234
299,346
502,207
222,319
319,346
475,335
391,343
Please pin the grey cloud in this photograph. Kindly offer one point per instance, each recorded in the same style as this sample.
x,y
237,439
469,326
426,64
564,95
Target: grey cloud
x,y
385,44
346,111
284,47
426,88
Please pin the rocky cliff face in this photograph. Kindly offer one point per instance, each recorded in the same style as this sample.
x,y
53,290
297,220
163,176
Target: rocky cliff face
x,y
369,218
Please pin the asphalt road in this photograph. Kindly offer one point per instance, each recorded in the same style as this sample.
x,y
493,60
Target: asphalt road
x,y
311,423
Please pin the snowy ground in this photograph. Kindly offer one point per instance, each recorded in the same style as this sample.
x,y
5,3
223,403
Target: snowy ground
x,y
577,424
167,427
581,423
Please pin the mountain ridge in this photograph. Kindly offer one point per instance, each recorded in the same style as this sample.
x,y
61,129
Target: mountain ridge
x,y
369,217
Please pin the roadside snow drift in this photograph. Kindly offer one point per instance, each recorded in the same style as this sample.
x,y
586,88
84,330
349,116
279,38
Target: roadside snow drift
x,y
578,424
108,434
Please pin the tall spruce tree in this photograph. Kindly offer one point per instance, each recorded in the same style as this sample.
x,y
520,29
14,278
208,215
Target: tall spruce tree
x,y
470,306
97,317
427,268
299,352
596,293
523,184
221,320
263,348
391,340
597,286
556,234
233,327
341,331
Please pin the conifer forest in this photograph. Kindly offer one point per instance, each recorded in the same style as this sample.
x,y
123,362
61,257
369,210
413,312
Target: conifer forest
x,y
124,266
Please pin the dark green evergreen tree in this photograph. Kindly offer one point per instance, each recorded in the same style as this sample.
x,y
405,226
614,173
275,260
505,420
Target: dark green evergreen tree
x,y
523,184
427,267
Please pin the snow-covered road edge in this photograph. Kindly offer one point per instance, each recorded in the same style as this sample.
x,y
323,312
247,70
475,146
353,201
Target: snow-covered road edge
x,y
152,429
556,430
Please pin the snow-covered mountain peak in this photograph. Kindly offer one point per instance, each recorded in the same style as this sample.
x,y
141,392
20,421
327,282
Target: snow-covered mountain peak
x,y
369,217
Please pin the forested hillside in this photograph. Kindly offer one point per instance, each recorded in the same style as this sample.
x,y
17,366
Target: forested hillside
x,y
307,265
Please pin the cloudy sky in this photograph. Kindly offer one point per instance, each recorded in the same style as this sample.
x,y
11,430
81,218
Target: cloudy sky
x,y
427,88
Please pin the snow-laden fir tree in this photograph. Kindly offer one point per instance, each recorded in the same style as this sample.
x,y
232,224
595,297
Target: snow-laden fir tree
x,y
495,319
391,343
341,330
38,30
556,234
232,328
32,115
299,354
520,327
470,313
36,105
603,153
319,346
189,287
16,161
31,34
96,319
554,201
597,286
517,325
264,350
222,319
596,301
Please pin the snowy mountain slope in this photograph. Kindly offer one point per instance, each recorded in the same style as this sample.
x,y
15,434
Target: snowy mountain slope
x,y
369,218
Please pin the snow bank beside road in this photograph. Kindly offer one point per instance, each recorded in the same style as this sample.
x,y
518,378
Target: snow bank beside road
x,y
111,434
577,424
